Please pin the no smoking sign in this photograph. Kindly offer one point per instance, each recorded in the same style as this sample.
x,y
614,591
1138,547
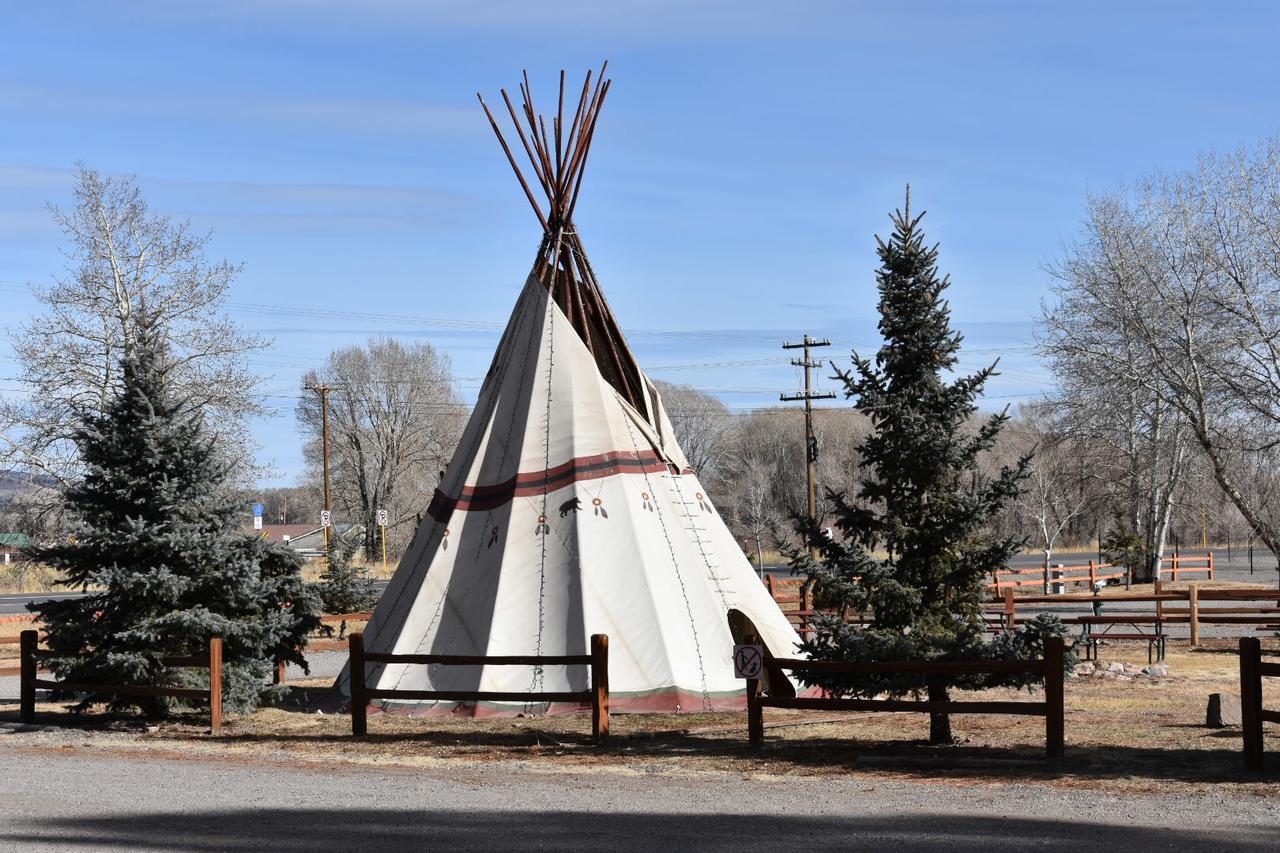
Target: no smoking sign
x,y
748,661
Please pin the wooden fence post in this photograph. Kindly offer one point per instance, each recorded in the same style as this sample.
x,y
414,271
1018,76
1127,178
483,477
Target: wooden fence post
x,y
1093,578
359,702
755,713
28,641
1158,588
768,582
282,672
1054,715
1251,700
1210,556
1193,612
1010,613
599,687
215,686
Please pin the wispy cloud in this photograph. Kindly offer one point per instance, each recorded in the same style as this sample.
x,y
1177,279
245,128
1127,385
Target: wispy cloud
x,y
636,20
331,115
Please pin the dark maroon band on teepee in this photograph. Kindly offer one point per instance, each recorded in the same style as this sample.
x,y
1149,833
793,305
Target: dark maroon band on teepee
x,y
491,496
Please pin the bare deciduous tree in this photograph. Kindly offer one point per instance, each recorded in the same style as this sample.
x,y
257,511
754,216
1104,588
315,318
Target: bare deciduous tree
x,y
1052,496
699,422
129,272
1185,271
393,424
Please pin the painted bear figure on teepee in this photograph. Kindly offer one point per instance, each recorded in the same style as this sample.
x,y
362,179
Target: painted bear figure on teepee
x,y
568,509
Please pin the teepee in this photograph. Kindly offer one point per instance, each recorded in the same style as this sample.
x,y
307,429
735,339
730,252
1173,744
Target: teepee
x,y
568,509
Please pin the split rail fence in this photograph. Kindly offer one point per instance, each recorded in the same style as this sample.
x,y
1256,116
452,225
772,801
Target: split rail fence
x,y
1050,667
1178,564
597,695
1252,715
16,667
324,645
1232,610
30,654
1090,574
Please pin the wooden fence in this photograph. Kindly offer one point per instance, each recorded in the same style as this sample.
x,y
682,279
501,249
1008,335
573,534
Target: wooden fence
x,y
1090,573
1050,668
1195,615
597,695
1178,564
1252,715
338,645
15,669
29,654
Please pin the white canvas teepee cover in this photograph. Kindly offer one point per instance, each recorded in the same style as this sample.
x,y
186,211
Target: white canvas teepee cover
x,y
563,514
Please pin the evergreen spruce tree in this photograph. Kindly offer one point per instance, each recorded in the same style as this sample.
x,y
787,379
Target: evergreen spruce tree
x,y
343,587
158,551
914,548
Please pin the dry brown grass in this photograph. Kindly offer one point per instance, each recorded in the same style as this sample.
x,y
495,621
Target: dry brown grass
x,y
1140,735
24,577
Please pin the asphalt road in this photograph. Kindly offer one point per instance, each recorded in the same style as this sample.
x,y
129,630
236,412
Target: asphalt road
x,y
74,800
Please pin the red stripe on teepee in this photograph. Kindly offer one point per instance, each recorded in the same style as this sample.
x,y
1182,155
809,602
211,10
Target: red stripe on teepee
x,y
493,495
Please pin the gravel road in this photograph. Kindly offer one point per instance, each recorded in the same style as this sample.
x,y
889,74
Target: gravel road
x,y
77,800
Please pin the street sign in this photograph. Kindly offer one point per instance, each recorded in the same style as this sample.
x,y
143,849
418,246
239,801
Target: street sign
x,y
257,510
748,661
382,518
257,522
326,518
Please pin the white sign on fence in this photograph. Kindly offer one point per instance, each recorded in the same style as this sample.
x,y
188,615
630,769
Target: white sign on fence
x,y
257,522
748,661
326,518
382,518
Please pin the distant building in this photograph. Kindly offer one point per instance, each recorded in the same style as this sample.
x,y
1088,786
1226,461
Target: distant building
x,y
11,544
308,539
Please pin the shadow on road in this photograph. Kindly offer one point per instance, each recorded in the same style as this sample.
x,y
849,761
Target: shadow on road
x,y
310,830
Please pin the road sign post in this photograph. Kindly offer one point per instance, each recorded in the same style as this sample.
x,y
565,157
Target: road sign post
x,y
382,534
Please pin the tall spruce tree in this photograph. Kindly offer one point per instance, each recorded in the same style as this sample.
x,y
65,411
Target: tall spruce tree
x,y
922,502
157,550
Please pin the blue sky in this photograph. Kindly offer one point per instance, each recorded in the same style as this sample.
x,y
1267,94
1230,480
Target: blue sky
x,y
747,155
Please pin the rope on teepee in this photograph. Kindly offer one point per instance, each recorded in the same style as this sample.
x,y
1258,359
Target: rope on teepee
x,y
675,564
550,333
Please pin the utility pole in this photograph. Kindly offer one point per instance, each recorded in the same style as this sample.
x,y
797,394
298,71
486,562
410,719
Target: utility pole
x,y
808,395
323,390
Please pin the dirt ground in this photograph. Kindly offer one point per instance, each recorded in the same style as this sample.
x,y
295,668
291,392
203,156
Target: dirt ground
x,y
1146,734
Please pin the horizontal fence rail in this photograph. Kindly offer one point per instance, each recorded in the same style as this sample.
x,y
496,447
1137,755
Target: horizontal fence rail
x,y
213,694
1263,615
323,645
597,695
1050,668
16,667
1252,715
1090,573
1179,564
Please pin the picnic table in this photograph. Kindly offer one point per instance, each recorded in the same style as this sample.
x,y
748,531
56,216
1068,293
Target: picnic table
x,y
1142,626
